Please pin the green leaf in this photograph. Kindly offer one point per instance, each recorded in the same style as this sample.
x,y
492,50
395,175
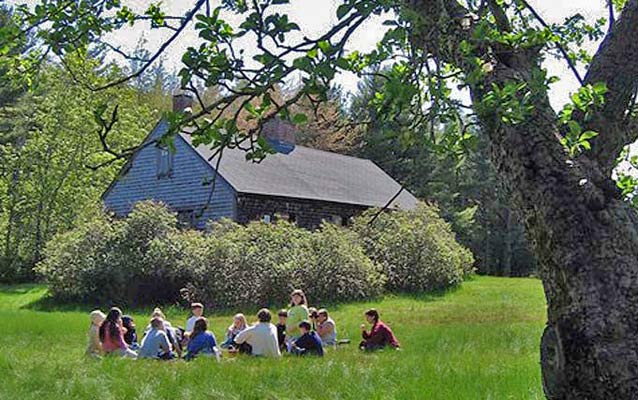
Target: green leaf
x,y
343,10
588,135
313,53
302,63
325,46
600,88
574,128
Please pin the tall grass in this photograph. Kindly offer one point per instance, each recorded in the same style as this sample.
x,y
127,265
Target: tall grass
x,y
478,342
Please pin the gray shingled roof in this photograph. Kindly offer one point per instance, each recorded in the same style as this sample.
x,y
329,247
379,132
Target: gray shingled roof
x,y
310,174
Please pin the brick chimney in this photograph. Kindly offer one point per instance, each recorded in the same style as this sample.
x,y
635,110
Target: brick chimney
x,y
280,135
182,102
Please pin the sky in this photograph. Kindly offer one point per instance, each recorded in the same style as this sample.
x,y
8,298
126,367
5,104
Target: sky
x,y
317,16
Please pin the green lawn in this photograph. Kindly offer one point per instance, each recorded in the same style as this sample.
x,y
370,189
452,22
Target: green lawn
x,y
478,342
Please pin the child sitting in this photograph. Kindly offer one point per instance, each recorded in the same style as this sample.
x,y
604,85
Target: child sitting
x,y
172,333
238,325
94,348
312,317
197,309
281,328
380,334
308,343
326,328
202,342
155,344
112,335
130,334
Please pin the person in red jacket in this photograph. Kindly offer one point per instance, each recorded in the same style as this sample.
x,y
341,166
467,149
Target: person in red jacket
x,y
379,336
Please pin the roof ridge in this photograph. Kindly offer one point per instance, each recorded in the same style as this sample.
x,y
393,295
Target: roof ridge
x,y
333,152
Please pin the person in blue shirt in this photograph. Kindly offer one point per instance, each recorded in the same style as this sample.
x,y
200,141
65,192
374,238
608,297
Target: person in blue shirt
x,y
155,344
202,341
309,342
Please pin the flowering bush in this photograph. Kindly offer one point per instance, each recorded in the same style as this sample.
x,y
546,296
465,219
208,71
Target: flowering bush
x,y
146,259
417,249
107,260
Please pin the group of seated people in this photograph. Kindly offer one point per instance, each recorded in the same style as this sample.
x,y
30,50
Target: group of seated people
x,y
300,331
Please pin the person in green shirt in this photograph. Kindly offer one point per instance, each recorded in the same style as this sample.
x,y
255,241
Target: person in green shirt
x,y
298,312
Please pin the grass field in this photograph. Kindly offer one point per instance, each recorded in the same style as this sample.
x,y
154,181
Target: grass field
x,y
477,342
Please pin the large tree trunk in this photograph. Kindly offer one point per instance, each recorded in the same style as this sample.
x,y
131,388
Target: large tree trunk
x,y
586,242
583,233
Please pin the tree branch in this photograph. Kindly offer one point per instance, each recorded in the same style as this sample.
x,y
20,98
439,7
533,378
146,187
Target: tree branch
x,y
615,65
187,19
562,50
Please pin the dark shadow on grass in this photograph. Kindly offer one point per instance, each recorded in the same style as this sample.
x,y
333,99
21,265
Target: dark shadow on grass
x,y
50,304
23,288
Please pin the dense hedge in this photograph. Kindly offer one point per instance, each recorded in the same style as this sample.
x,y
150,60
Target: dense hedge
x,y
145,259
417,249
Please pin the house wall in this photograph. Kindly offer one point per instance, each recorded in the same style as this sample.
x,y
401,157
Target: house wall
x,y
184,190
308,213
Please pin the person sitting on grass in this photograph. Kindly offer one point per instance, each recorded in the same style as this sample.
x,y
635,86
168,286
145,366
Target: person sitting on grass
x,y
197,309
112,335
312,317
262,336
379,336
155,344
202,342
281,328
94,348
326,328
238,325
309,343
130,335
172,333
297,312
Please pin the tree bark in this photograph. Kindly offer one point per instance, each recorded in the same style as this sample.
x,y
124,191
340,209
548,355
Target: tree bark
x,y
585,238
583,233
616,64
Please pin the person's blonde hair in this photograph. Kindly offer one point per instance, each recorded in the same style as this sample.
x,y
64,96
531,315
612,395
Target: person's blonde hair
x,y
157,312
97,316
242,318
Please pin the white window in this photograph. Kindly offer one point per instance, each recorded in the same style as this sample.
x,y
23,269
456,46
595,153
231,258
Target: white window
x,y
267,218
164,162
337,220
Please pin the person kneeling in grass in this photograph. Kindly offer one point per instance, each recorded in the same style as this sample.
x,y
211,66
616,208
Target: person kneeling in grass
x,y
297,312
202,342
156,344
308,343
262,336
379,336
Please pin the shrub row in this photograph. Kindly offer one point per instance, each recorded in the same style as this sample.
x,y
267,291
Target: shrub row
x,y
146,259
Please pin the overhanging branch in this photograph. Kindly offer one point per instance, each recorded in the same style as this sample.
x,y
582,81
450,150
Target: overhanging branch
x,y
615,64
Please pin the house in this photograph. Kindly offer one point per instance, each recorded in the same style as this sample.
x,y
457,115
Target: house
x,y
304,185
